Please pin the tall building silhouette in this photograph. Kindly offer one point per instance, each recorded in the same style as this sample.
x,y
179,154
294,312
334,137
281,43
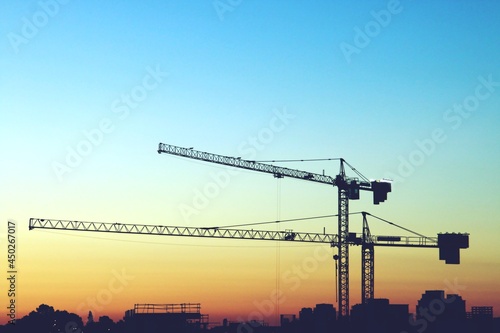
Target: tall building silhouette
x,y
437,312
324,317
306,314
306,319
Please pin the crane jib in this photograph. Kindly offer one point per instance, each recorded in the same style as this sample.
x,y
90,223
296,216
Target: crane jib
x,y
352,185
238,162
254,234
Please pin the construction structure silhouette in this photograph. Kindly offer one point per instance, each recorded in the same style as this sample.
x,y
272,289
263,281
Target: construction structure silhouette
x,y
448,244
348,189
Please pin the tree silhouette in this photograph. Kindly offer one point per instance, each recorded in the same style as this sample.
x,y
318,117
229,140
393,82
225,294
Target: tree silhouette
x,y
104,325
46,319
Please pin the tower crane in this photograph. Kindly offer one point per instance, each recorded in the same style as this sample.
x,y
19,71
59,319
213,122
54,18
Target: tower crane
x,y
449,250
348,189
448,244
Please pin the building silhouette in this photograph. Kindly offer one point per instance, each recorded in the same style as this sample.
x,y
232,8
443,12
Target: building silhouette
x,y
480,313
175,318
321,318
436,312
252,326
379,316
324,316
306,315
286,320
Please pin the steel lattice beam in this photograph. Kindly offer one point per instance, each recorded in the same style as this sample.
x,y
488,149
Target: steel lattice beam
x,y
367,263
287,235
343,253
183,231
236,162
366,240
367,272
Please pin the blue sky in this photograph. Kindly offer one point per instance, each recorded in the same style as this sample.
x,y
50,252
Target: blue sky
x,y
223,74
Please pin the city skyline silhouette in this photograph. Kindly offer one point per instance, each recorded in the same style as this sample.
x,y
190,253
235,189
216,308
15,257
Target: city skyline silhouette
x,y
435,311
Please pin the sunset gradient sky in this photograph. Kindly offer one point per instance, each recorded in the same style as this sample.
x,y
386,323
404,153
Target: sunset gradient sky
x,y
405,90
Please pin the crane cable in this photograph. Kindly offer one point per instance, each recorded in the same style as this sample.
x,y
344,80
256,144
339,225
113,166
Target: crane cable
x,y
278,248
326,216
281,221
400,227
301,160
316,160
336,282
357,172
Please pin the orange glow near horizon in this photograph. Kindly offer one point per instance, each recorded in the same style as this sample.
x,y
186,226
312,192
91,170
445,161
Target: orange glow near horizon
x,y
238,283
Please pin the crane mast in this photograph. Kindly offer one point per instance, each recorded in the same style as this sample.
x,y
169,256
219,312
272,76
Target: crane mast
x,y
343,246
348,188
367,263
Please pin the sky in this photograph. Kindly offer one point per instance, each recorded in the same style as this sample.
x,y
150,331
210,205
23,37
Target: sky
x,y
404,90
